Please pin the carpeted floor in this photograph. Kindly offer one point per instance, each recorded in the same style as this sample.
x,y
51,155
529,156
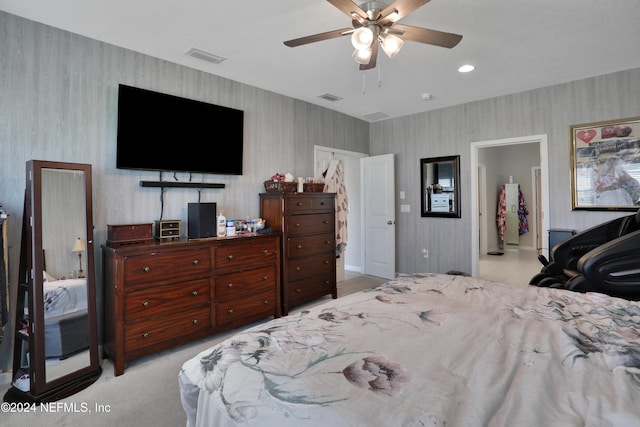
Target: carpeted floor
x,y
147,394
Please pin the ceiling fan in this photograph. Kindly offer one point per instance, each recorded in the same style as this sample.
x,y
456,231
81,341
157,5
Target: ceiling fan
x,y
377,21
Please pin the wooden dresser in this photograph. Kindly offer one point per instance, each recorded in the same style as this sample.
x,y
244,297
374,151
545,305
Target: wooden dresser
x,y
307,223
160,295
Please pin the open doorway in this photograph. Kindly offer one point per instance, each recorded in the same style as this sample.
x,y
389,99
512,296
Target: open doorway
x,y
350,260
487,179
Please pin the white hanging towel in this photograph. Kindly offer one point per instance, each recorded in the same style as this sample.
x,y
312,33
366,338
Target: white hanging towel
x,y
334,183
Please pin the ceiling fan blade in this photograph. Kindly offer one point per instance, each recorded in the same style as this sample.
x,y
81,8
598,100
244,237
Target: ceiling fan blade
x,y
349,8
318,37
423,35
402,7
374,58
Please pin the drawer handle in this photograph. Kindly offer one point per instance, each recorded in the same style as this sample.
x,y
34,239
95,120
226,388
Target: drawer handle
x,y
299,247
194,321
229,285
299,203
230,257
265,251
146,269
145,303
194,292
325,222
297,224
321,203
264,277
145,335
297,268
328,242
265,302
230,310
298,290
195,262
326,282
326,261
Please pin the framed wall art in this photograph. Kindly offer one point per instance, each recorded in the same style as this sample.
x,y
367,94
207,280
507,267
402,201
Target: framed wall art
x,y
605,165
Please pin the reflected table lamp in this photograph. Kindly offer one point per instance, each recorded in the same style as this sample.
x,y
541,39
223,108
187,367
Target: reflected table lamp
x,y
79,247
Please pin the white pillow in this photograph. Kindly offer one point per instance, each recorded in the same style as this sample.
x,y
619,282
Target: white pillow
x,y
46,277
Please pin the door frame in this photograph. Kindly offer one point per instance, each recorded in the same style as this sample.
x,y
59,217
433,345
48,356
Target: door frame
x,y
543,143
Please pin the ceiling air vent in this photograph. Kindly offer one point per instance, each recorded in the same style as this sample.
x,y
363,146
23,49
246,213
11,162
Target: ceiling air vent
x,y
378,115
329,97
205,56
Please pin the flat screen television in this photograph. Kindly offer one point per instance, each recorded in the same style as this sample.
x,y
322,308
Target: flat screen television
x,y
162,132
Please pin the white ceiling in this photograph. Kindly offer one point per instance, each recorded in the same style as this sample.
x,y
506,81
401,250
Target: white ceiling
x,y
516,45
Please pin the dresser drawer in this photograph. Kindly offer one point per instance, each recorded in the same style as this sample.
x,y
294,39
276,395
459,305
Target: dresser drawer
x,y
246,308
301,291
151,301
310,203
299,268
245,282
157,266
308,224
172,325
301,246
239,255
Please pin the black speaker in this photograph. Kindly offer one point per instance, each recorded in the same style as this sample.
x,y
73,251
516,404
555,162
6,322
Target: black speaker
x,y
202,220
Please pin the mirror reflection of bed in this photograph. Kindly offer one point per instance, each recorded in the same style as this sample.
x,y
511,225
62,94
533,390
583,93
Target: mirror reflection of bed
x,y
64,292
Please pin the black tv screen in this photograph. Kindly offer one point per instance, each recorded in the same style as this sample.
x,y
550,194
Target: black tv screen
x,y
162,132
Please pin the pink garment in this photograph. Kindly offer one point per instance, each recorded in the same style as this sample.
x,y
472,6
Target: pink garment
x,y
501,216
334,183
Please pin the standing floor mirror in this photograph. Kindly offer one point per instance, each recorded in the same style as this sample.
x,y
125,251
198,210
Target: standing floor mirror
x,y
56,340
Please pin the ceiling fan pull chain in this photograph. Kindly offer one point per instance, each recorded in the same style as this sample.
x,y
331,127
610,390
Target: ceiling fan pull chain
x,y
364,84
379,76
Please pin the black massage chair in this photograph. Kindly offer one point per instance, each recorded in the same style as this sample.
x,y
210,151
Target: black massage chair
x,y
604,258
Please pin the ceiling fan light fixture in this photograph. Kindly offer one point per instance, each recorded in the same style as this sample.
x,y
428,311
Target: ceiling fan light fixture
x,y
393,16
391,44
362,38
362,56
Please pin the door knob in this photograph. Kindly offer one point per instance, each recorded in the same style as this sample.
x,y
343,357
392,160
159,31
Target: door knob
x,y
389,222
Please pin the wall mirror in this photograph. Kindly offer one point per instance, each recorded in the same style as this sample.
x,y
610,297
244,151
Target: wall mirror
x,y
440,186
60,352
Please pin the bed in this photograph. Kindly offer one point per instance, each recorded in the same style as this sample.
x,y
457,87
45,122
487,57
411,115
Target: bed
x,y
66,316
427,350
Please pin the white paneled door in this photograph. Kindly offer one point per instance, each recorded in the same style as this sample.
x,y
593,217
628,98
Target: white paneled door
x,y
378,182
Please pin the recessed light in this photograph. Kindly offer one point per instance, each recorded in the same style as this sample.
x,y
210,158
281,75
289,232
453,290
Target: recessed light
x,y
466,68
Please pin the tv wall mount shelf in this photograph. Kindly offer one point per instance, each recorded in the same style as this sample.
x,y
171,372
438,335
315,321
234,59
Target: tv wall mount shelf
x,y
178,184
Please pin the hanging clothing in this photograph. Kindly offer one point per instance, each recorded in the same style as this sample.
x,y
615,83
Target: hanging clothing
x,y
522,214
334,183
501,216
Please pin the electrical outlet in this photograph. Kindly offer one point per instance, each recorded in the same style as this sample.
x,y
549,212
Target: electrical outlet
x,y
425,253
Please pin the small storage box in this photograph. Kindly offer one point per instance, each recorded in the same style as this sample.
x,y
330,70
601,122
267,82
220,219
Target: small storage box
x,y
129,234
285,187
167,229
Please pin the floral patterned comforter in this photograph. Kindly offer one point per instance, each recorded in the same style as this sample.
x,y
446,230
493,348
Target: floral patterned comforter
x,y
428,350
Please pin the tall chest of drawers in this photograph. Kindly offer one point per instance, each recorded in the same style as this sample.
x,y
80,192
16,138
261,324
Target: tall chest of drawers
x,y
307,223
160,295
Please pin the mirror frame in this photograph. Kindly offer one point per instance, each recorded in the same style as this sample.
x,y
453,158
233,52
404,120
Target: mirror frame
x,y
425,187
76,380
